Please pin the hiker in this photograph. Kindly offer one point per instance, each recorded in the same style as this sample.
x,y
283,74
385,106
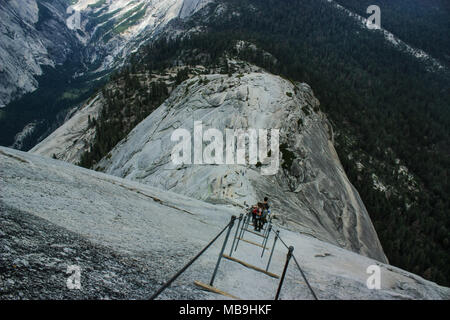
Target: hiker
x,y
258,216
266,202
254,210
265,212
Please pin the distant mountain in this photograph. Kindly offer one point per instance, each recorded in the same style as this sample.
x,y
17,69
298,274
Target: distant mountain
x,y
40,43
33,34
66,48
38,33
421,24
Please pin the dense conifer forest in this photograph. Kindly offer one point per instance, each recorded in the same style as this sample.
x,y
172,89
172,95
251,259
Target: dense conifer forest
x,y
129,99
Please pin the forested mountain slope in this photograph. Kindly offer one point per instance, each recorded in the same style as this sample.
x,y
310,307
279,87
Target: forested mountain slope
x,y
423,24
55,53
390,113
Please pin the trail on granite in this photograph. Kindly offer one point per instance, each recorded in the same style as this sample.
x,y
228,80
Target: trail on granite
x,y
129,238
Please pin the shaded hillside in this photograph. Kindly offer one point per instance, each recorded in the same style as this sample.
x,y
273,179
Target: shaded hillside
x,y
422,23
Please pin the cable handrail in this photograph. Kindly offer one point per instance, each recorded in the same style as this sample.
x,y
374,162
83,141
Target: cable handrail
x,y
284,243
304,277
229,226
298,266
169,282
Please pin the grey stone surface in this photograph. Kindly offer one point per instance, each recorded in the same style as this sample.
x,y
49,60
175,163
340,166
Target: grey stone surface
x,y
312,194
35,255
129,238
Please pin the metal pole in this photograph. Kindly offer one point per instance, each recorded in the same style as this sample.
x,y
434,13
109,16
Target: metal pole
x,y
268,223
233,218
264,234
247,224
237,230
247,219
273,248
288,258
304,278
168,283
241,234
267,232
266,239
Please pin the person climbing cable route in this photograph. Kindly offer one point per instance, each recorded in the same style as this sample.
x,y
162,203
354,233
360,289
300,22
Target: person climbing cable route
x,y
258,216
266,203
265,212
253,211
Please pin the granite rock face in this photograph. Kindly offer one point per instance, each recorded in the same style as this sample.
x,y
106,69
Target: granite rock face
x,y
38,33
129,238
309,193
33,34
74,137
36,256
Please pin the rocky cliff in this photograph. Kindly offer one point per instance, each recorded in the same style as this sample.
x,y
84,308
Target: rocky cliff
x,y
96,35
310,192
33,34
74,137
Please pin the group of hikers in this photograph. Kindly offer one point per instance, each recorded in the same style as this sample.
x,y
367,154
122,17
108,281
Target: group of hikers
x,y
260,214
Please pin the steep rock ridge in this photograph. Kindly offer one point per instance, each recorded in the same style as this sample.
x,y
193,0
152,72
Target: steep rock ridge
x,y
33,34
76,135
69,141
310,193
127,238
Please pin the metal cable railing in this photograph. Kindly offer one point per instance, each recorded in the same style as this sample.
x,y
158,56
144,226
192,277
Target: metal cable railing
x,y
290,255
169,282
239,236
304,277
266,234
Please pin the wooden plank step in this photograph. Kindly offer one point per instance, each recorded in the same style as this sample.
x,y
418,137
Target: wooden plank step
x,y
254,232
245,264
215,290
254,243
